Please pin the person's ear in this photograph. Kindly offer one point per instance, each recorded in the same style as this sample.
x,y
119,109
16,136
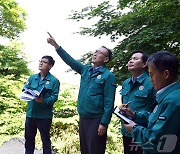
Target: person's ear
x,y
106,59
144,65
50,66
166,74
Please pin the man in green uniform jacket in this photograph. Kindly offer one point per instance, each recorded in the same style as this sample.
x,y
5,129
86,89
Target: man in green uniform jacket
x,y
95,99
39,111
138,92
159,132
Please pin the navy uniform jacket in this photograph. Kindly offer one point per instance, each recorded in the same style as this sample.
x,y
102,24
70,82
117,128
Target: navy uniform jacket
x,y
42,110
96,93
162,133
141,94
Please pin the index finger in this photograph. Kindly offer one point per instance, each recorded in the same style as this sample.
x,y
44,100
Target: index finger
x,y
49,34
123,106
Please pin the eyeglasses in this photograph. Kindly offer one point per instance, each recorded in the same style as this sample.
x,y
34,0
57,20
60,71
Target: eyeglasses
x,y
42,61
100,52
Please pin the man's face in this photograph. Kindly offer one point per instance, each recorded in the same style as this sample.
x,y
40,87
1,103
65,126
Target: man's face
x,y
100,57
44,65
158,78
136,63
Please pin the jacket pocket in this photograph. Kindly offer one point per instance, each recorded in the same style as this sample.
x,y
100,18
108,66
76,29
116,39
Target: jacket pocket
x,y
34,86
97,87
141,94
124,94
141,98
49,87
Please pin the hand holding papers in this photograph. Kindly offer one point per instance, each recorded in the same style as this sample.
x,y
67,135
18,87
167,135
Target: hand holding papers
x,y
120,115
29,94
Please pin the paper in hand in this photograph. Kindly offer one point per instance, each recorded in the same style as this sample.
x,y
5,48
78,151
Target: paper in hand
x,y
29,94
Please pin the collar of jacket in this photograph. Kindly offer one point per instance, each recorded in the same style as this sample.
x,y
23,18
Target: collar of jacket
x,y
171,88
46,78
101,69
140,79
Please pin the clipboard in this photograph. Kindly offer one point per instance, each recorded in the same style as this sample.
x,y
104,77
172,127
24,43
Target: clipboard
x,y
121,116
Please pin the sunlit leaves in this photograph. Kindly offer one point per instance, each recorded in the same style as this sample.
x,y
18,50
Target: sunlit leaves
x,y
149,25
12,19
12,61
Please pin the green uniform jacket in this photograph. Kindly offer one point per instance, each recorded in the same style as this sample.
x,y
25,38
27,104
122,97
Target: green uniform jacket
x,y
162,133
96,92
43,110
141,94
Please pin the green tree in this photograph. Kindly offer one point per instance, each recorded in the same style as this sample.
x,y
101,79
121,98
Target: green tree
x,y
12,23
13,62
12,19
149,25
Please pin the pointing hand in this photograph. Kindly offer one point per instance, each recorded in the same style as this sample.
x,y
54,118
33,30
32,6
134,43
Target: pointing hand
x,y
52,41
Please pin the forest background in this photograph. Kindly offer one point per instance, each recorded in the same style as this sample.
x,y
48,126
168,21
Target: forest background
x,y
147,25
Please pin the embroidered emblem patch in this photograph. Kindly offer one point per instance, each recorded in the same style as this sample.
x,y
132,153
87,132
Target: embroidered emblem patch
x,y
47,82
99,76
141,87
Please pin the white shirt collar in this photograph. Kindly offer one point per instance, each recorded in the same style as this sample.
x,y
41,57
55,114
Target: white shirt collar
x,y
163,89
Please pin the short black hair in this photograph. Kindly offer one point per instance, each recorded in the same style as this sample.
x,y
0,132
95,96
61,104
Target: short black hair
x,y
109,52
50,59
164,60
144,55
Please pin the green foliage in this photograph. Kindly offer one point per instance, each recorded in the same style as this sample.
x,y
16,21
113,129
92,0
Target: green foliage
x,y
5,91
66,104
65,113
12,19
12,61
114,139
12,110
12,22
10,124
65,136
64,130
147,25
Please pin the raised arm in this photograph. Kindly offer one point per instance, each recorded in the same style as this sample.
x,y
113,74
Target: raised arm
x,y
74,64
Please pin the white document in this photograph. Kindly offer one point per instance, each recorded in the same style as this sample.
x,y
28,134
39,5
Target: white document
x,y
26,97
118,113
29,94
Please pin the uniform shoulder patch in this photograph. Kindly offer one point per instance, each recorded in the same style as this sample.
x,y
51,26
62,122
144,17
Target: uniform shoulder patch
x,y
162,118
